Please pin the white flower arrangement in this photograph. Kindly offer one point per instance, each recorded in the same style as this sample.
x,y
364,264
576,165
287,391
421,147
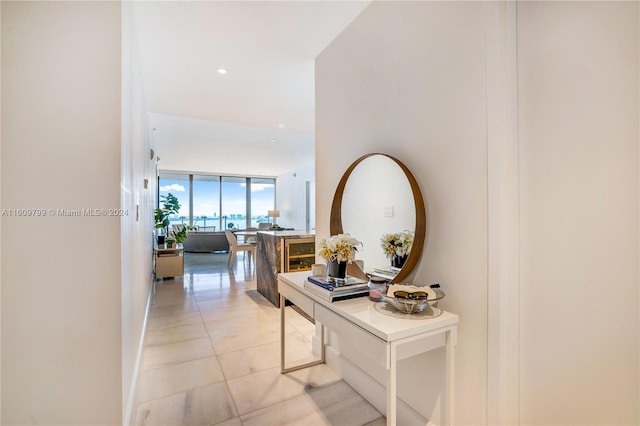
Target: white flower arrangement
x,y
341,248
397,244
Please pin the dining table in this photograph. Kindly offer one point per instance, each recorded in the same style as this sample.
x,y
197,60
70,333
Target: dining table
x,y
246,236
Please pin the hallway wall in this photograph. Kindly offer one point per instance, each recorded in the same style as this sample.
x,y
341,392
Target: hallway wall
x,y
578,73
61,295
408,79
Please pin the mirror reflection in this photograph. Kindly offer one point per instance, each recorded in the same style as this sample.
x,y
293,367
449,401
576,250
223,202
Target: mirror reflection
x,y
381,205
377,201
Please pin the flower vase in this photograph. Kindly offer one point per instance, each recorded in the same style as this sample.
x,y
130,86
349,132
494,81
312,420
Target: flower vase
x,y
337,269
398,261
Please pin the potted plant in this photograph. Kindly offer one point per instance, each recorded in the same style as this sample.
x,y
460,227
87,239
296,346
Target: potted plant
x,y
338,250
170,206
397,246
180,234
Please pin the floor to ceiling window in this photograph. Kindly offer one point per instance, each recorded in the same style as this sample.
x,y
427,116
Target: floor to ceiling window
x,y
234,202
213,203
178,185
263,194
206,202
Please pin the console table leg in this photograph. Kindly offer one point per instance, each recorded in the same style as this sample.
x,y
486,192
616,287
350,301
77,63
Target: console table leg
x,y
282,313
284,370
392,377
450,378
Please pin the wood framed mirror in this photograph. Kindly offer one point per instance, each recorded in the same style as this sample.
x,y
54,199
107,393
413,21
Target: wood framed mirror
x,y
378,195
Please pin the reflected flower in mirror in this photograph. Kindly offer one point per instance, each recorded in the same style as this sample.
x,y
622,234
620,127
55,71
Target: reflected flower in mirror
x,y
340,248
397,244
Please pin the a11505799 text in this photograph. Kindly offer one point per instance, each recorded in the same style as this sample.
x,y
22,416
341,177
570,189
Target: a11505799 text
x,y
58,212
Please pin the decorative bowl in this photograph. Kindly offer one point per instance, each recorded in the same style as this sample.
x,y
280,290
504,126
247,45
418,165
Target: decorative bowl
x,y
408,306
413,306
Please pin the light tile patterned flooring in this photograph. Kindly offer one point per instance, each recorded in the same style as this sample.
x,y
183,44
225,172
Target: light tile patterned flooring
x,y
212,357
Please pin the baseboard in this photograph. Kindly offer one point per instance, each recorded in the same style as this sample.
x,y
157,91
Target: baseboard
x,y
374,392
128,411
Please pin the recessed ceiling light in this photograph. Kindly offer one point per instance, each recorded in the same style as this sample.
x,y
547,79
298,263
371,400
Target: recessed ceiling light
x,y
273,140
280,126
222,70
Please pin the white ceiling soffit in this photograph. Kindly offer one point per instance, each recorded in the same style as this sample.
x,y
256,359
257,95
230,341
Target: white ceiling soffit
x,y
268,48
187,144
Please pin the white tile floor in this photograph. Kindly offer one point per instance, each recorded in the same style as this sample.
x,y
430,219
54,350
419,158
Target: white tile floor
x,y
212,357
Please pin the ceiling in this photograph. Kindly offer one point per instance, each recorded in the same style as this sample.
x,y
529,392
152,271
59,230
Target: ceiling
x,y
258,119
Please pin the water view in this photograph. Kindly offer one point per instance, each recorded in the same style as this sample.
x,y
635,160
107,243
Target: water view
x,y
219,202
215,223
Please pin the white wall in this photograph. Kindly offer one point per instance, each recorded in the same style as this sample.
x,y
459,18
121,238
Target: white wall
x,y
408,79
61,294
578,108
290,197
137,226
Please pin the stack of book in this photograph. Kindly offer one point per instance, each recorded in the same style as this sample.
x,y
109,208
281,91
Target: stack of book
x,y
389,273
334,290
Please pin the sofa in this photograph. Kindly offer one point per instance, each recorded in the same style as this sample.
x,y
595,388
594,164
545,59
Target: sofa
x,y
202,242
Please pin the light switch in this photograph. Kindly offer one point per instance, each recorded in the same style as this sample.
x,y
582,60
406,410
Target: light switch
x,y
388,211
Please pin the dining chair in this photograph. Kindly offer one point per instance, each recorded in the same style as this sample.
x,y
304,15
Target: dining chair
x,y
264,226
251,238
235,247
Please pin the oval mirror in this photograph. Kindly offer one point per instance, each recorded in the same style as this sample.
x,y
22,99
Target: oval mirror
x,y
378,196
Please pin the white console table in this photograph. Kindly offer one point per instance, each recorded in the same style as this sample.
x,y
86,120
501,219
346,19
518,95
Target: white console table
x,y
383,338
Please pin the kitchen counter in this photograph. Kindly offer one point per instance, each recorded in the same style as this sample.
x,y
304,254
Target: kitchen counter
x,y
281,251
